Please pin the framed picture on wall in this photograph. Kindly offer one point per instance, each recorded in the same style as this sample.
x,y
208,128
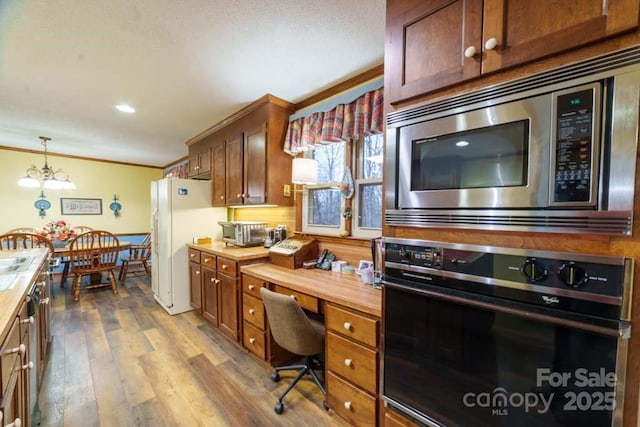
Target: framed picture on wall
x,y
77,206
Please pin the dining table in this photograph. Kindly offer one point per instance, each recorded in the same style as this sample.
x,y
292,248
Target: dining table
x,y
63,252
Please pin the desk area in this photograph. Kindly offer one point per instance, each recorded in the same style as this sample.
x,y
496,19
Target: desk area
x,y
352,314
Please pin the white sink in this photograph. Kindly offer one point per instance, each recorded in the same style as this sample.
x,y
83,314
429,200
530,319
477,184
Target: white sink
x,y
7,281
9,269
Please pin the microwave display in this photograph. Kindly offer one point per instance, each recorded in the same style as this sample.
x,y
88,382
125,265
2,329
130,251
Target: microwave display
x,y
574,146
491,156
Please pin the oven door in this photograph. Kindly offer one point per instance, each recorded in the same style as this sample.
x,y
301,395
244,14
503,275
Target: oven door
x,y
494,157
458,360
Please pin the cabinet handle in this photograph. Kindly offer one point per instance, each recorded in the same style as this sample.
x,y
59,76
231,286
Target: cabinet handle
x,y
470,52
197,272
238,195
212,280
44,300
252,340
206,260
251,311
225,266
192,255
22,349
16,423
348,362
29,320
293,296
42,284
221,197
217,281
347,326
347,405
27,366
251,287
491,43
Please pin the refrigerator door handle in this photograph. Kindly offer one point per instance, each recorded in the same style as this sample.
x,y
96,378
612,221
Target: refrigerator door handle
x,y
155,231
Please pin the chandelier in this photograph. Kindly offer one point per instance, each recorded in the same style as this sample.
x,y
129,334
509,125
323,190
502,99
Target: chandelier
x,y
46,177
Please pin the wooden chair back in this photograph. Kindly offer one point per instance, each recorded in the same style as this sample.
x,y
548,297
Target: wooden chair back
x,y
79,229
94,251
31,230
15,241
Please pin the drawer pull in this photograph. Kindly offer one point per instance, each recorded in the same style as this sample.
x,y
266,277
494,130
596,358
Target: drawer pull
x,y
212,280
44,301
251,287
206,260
251,311
347,405
252,340
293,296
216,281
27,366
22,349
197,273
225,266
192,255
16,423
348,362
347,326
29,320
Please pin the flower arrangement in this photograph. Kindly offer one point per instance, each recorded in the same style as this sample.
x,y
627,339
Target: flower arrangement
x,y
59,230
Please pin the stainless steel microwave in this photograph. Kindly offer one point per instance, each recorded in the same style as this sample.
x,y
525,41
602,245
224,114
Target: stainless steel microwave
x,y
553,152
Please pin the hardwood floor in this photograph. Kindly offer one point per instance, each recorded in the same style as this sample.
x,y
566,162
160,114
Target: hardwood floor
x,y
121,360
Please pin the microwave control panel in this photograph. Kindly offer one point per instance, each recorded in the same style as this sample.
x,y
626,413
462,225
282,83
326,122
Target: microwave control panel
x,y
576,146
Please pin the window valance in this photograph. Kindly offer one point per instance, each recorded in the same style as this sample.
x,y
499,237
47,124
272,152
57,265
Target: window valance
x,y
361,117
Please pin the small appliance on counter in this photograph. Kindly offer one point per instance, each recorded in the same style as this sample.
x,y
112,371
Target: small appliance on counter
x,y
273,236
243,233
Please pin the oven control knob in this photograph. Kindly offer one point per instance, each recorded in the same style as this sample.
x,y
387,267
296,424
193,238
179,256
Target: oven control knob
x,y
533,270
572,275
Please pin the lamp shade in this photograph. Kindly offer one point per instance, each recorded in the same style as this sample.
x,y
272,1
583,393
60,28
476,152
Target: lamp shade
x,y
304,171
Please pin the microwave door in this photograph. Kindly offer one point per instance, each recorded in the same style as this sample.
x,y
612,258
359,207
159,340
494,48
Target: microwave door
x,y
492,158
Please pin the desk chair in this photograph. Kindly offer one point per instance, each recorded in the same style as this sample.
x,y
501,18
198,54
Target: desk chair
x,y
12,241
295,332
92,254
139,256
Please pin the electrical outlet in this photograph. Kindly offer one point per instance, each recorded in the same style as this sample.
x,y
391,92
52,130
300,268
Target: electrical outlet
x,y
287,190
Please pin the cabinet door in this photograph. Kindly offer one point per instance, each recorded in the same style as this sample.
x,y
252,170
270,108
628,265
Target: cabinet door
x,y
195,286
204,161
426,43
255,165
234,170
228,305
210,285
218,176
525,31
193,165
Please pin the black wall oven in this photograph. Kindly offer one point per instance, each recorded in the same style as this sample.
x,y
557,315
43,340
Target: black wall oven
x,y
488,336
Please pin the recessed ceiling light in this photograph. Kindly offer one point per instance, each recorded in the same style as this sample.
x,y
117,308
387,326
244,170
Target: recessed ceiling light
x,y
125,108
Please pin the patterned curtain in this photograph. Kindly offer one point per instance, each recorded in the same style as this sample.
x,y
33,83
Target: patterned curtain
x,y
361,117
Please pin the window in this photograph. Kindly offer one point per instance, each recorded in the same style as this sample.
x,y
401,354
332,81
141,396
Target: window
x,y
324,206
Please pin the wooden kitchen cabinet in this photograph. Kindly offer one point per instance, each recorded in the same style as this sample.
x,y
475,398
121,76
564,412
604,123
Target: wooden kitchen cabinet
x,y
253,167
437,43
200,160
228,297
195,280
209,288
219,175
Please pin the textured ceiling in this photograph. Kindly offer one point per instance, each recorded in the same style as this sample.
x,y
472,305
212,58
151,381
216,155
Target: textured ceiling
x,y
184,65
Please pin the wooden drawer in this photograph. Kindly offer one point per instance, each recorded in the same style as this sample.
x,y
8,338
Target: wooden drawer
x,y
307,302
353,325
251,285
352,361
253,340
194,255
393,419
253,311
208,259
351,403
227,266
9,355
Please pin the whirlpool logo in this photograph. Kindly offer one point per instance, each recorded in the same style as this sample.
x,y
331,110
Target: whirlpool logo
x,y
550,300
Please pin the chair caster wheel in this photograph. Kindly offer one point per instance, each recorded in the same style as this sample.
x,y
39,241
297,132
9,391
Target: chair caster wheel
x,y
279,408
324,405
275,377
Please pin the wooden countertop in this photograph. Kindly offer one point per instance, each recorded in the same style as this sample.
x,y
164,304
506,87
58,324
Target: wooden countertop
x,y
343,289
11,299
233,252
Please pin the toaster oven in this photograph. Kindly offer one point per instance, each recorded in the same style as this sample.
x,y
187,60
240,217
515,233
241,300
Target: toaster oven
x,y
243,233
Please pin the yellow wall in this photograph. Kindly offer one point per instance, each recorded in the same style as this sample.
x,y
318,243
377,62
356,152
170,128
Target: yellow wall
x,y
93,179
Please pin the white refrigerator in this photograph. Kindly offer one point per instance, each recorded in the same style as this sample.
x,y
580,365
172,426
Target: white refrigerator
x,y
180,210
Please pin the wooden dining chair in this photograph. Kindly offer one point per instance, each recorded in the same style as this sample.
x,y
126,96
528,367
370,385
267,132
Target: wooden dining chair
x,y
138,258
78,229
31,230
16,241
92,254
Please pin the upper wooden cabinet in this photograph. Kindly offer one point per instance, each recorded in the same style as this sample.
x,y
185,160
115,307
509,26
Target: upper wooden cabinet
x,y
436,43
200,159
249,164
218,174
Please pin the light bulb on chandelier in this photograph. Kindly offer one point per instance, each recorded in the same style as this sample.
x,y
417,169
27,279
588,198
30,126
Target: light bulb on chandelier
x,y
46,177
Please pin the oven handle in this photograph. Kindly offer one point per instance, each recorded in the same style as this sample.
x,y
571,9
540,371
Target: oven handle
x,y
624,332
